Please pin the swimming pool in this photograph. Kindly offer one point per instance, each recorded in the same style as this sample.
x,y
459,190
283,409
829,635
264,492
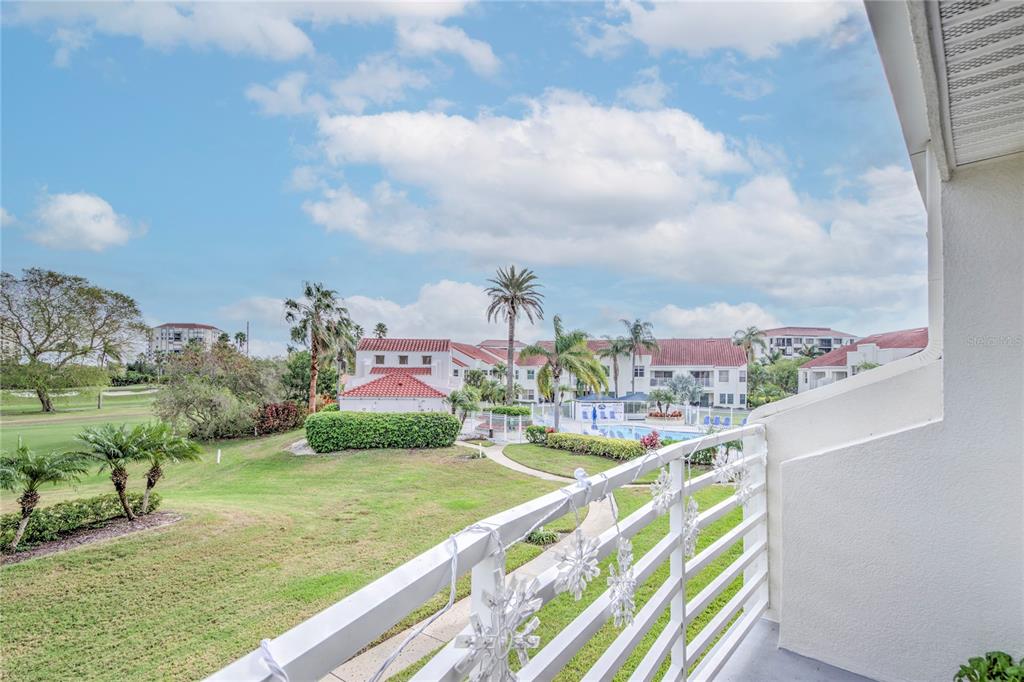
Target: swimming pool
x,y
633,432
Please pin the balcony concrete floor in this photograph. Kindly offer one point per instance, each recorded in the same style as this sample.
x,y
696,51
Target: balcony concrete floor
x,y
759,659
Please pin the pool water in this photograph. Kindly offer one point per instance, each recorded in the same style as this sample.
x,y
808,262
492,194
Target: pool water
x,y
638,432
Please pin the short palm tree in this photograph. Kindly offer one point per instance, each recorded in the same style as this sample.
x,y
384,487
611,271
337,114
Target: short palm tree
x,y
463,401
659,396
809,351
380,330
240,339
25,471
748,339
774,355
616,348
343,344
164,446
114,447
513,294
569,354
313,316
640,337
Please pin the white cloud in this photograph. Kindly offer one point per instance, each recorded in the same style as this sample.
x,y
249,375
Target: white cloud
x,y
756,29
648,91
266,30
68,40
265,311
6,217
377,80
733,80
713,319
80,222
428,37
286,97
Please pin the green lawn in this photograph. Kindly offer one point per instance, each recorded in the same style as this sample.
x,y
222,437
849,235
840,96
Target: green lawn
x,y
268,540
562,462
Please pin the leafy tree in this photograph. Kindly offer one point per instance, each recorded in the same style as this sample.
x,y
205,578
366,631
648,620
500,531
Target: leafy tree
x,y
224,338
491,391
640,337
163,446
380,330
661,395
463,401
809,351
569,354
617,347
343,343
514,294
54,322
685,389
313,316
773,356
114,448
748,339
295,380
25,471
475,377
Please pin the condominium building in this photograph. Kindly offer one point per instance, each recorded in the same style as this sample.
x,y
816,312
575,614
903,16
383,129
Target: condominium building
x,y
789,340
869,352
172,337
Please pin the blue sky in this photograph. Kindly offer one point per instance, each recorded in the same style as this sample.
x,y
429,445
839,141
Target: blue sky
x,y
703,166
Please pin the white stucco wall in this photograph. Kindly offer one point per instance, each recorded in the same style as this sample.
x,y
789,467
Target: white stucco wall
x,y
392,405
896,513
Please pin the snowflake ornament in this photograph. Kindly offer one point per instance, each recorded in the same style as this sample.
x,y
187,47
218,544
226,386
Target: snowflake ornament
x,y
744,484
690,528
622,585
661,492
723,458
511,629
578,566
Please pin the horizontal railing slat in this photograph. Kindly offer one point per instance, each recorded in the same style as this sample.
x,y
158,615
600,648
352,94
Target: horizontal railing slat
x,y
722,618
723,648
655,656
696,605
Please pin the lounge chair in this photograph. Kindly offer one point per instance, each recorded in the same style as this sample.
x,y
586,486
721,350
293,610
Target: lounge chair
x,y
718,421
727,422
707,420
744,422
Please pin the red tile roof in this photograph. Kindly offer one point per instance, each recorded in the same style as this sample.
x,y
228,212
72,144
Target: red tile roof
x,y
400,370
474,352
397,385
405,345
806,331
458,362
906,338
186,325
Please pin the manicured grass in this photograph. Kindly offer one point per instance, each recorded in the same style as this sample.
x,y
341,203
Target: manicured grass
x,y
562,462
268,540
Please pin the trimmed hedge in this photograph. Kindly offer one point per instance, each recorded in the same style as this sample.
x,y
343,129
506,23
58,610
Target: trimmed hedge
x,y
278,417
329,407
537,434
64,518
333,431
511,410
613,448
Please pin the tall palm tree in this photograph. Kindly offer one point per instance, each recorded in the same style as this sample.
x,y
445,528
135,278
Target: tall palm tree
x,y
380,330
640,337
164,446
774,355
343,345
25,471
514,293
616,347
748,339
114,447
313,316
569,354
240,339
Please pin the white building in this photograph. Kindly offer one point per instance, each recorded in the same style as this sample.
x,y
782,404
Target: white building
x,y
172,337
789,340
878,349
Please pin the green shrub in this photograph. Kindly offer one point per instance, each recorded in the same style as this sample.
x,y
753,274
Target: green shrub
x,y
333,431
329,407
63,518
995,666
613,448
542,537
511,410
537,434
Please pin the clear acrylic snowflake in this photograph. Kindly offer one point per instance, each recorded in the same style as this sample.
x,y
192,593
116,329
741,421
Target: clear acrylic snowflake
x,y
690,528
722,461
744,483
622,585
578,565
510,629
661,492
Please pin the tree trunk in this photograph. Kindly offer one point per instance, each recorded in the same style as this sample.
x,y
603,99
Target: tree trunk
x,y
152,476
120,478
557,378
28,501
511,357
44,399
314,374
341,365
632,381
615,372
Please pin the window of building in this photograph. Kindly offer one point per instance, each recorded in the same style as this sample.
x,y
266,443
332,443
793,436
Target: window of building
x,y
528,394
789,342
743,376
743,398
838,342
426,359
638,371
729,398
702,376
661,377
723,375
517,375
378,359
721,399
403,359
455,371
531,374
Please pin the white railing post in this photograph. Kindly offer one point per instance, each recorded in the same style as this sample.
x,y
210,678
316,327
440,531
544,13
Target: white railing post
x,y
677,575
756,446
484,578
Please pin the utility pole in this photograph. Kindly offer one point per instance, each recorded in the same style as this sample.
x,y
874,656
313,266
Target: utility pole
x,y
247,338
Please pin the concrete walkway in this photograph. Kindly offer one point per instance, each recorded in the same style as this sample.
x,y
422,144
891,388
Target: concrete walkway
x,y
444,629
496,454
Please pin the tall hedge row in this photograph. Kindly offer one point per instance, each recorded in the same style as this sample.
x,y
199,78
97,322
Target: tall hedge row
x,y
333,431
511,410
63,518
613,448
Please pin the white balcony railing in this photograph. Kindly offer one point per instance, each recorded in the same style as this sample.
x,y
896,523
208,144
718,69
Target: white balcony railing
x,y
313,648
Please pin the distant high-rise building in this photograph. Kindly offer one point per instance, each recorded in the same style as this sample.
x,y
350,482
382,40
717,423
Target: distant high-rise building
x,y
172,337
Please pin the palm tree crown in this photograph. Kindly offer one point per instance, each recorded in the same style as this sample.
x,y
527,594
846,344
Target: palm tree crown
x,y
569,354
313,317
514,293
616,348
380,330
114,447
748,339
343,344
25,471
640,336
